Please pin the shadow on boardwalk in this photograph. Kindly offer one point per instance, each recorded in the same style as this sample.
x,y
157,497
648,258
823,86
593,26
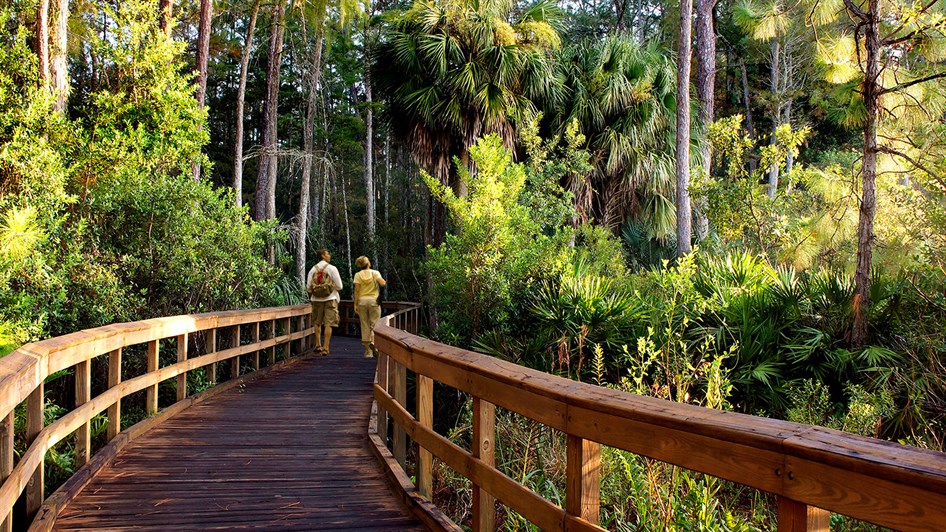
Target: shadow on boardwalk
x,y
285,452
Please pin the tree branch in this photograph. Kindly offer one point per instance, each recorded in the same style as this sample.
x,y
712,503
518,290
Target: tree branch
x,y
907,84
861,14
914,162
888,40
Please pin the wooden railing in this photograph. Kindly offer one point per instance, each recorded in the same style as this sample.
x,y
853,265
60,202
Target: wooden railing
x,y
811,470
252,341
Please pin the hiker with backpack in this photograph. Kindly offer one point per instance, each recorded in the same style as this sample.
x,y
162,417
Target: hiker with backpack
x,y
322,285
366,284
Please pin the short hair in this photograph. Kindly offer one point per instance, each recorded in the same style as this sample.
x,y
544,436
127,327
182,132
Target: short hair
x,y
321,253
362,262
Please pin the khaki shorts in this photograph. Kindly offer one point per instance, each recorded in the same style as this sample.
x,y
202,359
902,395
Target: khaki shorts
x,y
325,312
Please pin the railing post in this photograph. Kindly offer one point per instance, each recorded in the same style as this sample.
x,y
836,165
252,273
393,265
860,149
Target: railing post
x,y
181,357
83,396
35,420
256,341
235,361
794,516
583,478
114,379
400,395
287,353
484,448
6,463
210,346
151,393
383,383
272,349
425,416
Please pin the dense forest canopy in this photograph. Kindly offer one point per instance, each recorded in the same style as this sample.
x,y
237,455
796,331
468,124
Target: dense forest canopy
x,y
737,203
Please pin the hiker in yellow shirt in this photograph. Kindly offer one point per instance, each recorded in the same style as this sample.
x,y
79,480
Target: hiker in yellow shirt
x,y
366,301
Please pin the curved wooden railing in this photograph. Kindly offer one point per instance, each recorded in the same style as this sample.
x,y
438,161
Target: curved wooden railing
x,y
811,470
253,341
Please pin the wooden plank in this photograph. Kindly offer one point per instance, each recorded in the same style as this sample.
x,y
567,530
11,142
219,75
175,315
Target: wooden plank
x,y
181,341
114,378
151,394
583,478
382,381
83,395
235,361
794,516
6,465
425,415
35,421
256,339
210,346
484,449
400,395
272,350
539,511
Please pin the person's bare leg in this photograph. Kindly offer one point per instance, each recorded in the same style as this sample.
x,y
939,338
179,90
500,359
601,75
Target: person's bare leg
x,y
328,337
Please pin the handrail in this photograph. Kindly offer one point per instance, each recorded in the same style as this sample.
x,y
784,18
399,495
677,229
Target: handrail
x,y
23,372
812,470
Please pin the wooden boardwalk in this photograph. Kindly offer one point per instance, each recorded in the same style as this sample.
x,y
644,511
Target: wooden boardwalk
x,y
286,452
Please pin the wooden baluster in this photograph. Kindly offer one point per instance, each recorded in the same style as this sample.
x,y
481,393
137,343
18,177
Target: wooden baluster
x,y
235,361
400,395
83,396
35,420
287,353
382,377
272,350
583,478
302,340
425,416
484,448
256,341
151,392
6,463
181,357
210,346
794,516
114,379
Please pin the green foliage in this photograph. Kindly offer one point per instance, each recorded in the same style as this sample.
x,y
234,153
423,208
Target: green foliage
x,y
496,249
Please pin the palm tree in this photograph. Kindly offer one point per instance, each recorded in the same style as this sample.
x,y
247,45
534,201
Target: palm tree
x,y
622,95
456,70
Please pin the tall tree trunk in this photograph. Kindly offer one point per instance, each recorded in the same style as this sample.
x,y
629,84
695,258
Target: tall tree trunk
x,y
266,180
347,227
166,9
746,100
683,130
774,78
706,92
387,206
309,147
790,157
60,58
369,151
42,42
241,98
865,226
203,56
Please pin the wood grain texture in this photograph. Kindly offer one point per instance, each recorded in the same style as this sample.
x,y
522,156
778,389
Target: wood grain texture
x,y
114,379
181,341
583,478
151,393
425,415
35,419
83,396
210,467
794,516
484,449
6,463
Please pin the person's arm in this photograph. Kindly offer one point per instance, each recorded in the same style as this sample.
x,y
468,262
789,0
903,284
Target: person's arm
x,y
357,293
381,281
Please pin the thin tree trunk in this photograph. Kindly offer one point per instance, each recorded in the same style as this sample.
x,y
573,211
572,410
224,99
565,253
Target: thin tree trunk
x,y
790,157
203,57
750,127
60,59
683,131
347,227
369,151
776,114
309,147
165,7
266,180
42,42
387,205
241,98
706,92
865,226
